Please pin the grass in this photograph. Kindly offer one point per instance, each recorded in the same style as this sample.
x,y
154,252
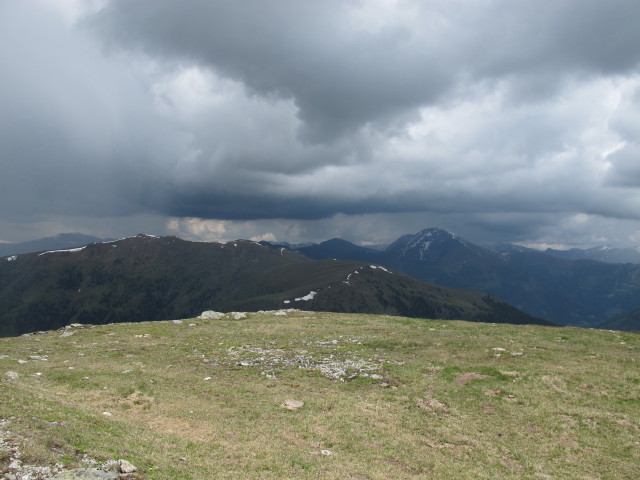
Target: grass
x,y
384,397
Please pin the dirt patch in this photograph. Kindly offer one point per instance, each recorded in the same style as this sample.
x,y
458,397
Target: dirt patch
x,y
405,468
432,405
465,378
489,408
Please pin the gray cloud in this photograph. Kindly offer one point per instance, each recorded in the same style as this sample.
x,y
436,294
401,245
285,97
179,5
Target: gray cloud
x,y
500,119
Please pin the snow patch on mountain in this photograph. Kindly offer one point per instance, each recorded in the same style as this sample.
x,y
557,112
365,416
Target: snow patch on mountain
x,y
379,267
307,297
346,282
70,250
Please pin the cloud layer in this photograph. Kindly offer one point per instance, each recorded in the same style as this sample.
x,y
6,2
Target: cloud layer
x,y
503,120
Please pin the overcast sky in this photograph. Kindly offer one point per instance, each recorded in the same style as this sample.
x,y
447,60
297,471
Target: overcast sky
x,y
499,120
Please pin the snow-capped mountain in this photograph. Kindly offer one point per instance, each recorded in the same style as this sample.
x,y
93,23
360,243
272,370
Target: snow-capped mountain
x,y
565,291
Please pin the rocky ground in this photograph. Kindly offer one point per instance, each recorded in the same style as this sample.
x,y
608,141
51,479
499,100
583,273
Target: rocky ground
x,y
12,467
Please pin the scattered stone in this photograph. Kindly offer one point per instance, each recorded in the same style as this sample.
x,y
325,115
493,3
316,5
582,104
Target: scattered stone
x,y
326,452
177,322
127,371
126,467
193,324
22,362
12,375
516,354
38,357
211,315
107,414
238,315
499,349
67,334
80,473
206,378
2,357
292,405
376,376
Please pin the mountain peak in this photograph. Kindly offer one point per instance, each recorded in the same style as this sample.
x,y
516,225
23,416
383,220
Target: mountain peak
x,y
423,242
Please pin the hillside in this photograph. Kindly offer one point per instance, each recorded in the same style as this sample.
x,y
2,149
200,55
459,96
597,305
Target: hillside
x,y
63,240
153,278
567,292
629,322
379,397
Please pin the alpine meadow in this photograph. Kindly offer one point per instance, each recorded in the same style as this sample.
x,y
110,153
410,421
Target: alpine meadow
x,y
302,239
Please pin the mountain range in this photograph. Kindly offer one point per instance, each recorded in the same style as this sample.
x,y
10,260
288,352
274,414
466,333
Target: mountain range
x,y
606,254
578,292
146,278
63,240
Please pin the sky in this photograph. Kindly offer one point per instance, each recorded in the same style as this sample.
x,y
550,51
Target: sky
x,y
500,120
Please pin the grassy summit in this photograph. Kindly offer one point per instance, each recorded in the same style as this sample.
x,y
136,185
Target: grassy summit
x,y
384,397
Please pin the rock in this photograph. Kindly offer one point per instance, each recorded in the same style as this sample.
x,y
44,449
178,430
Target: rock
x,y
211,315
292,404
67,334
177,322
80,473
238,315
126,466
12,375
326,452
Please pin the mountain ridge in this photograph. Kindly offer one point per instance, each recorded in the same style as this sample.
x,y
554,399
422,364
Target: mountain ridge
x,y
578,292
60,241
149,278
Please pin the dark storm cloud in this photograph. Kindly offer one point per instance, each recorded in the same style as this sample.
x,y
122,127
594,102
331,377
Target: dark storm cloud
x,y
339,74
343,73
508,116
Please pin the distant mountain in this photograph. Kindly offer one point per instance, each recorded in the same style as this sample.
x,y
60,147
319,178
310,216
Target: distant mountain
x,y
147,278
629,321
338,249
63,240
568,292
604,254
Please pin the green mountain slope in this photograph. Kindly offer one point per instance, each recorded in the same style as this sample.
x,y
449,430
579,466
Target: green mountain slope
x,y
149,278
629,322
